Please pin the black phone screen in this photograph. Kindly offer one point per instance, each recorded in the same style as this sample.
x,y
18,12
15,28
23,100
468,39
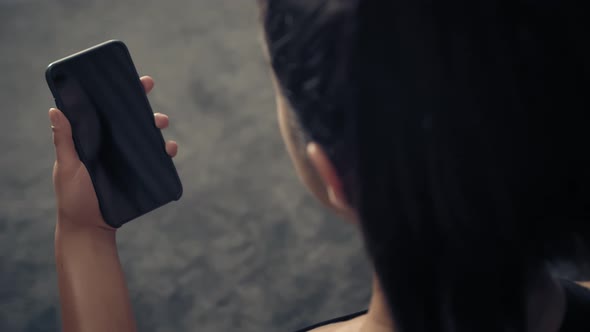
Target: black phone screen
x,y
113,127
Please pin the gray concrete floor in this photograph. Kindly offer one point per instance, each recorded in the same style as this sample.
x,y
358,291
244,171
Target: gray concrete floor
x,y
246,249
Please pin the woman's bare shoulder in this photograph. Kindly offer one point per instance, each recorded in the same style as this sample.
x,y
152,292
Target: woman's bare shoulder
x,y
352,325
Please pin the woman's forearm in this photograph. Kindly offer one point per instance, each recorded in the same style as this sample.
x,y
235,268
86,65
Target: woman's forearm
x,y
92,288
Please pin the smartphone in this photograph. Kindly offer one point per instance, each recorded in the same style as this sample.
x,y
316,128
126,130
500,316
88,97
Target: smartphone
x,y
114,131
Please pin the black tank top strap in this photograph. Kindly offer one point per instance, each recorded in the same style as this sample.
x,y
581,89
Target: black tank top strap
x,y
577,316
332,321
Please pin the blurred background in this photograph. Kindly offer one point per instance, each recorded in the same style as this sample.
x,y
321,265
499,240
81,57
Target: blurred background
x,y
246,249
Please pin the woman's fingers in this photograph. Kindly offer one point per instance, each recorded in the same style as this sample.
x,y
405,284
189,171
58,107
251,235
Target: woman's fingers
x,y
162,120
65,150
148,83
172,148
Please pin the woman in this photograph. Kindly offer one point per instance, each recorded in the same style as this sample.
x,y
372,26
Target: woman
x,y
452,133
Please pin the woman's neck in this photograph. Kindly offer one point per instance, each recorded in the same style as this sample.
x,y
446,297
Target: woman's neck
x,y
546,307
378,318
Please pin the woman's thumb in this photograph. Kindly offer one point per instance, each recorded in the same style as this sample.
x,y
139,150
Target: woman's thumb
x,y
62,138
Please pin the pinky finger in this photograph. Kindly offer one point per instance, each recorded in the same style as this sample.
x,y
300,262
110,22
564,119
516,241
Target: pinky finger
x,y
172,148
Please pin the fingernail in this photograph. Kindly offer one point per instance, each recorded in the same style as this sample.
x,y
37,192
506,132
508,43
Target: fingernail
x,y
54,117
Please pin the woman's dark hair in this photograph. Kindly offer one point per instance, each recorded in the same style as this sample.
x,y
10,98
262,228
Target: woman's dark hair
x,y
462,126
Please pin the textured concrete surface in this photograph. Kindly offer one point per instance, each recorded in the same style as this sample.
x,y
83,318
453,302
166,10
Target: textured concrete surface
x,y
246,249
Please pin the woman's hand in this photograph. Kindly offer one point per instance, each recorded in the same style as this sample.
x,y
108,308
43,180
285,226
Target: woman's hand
x,y
77,204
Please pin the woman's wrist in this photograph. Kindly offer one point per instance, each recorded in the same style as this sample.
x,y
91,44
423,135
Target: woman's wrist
x,y
68,227
76,235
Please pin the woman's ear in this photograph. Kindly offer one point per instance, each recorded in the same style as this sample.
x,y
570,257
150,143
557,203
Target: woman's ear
x,y
331,180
